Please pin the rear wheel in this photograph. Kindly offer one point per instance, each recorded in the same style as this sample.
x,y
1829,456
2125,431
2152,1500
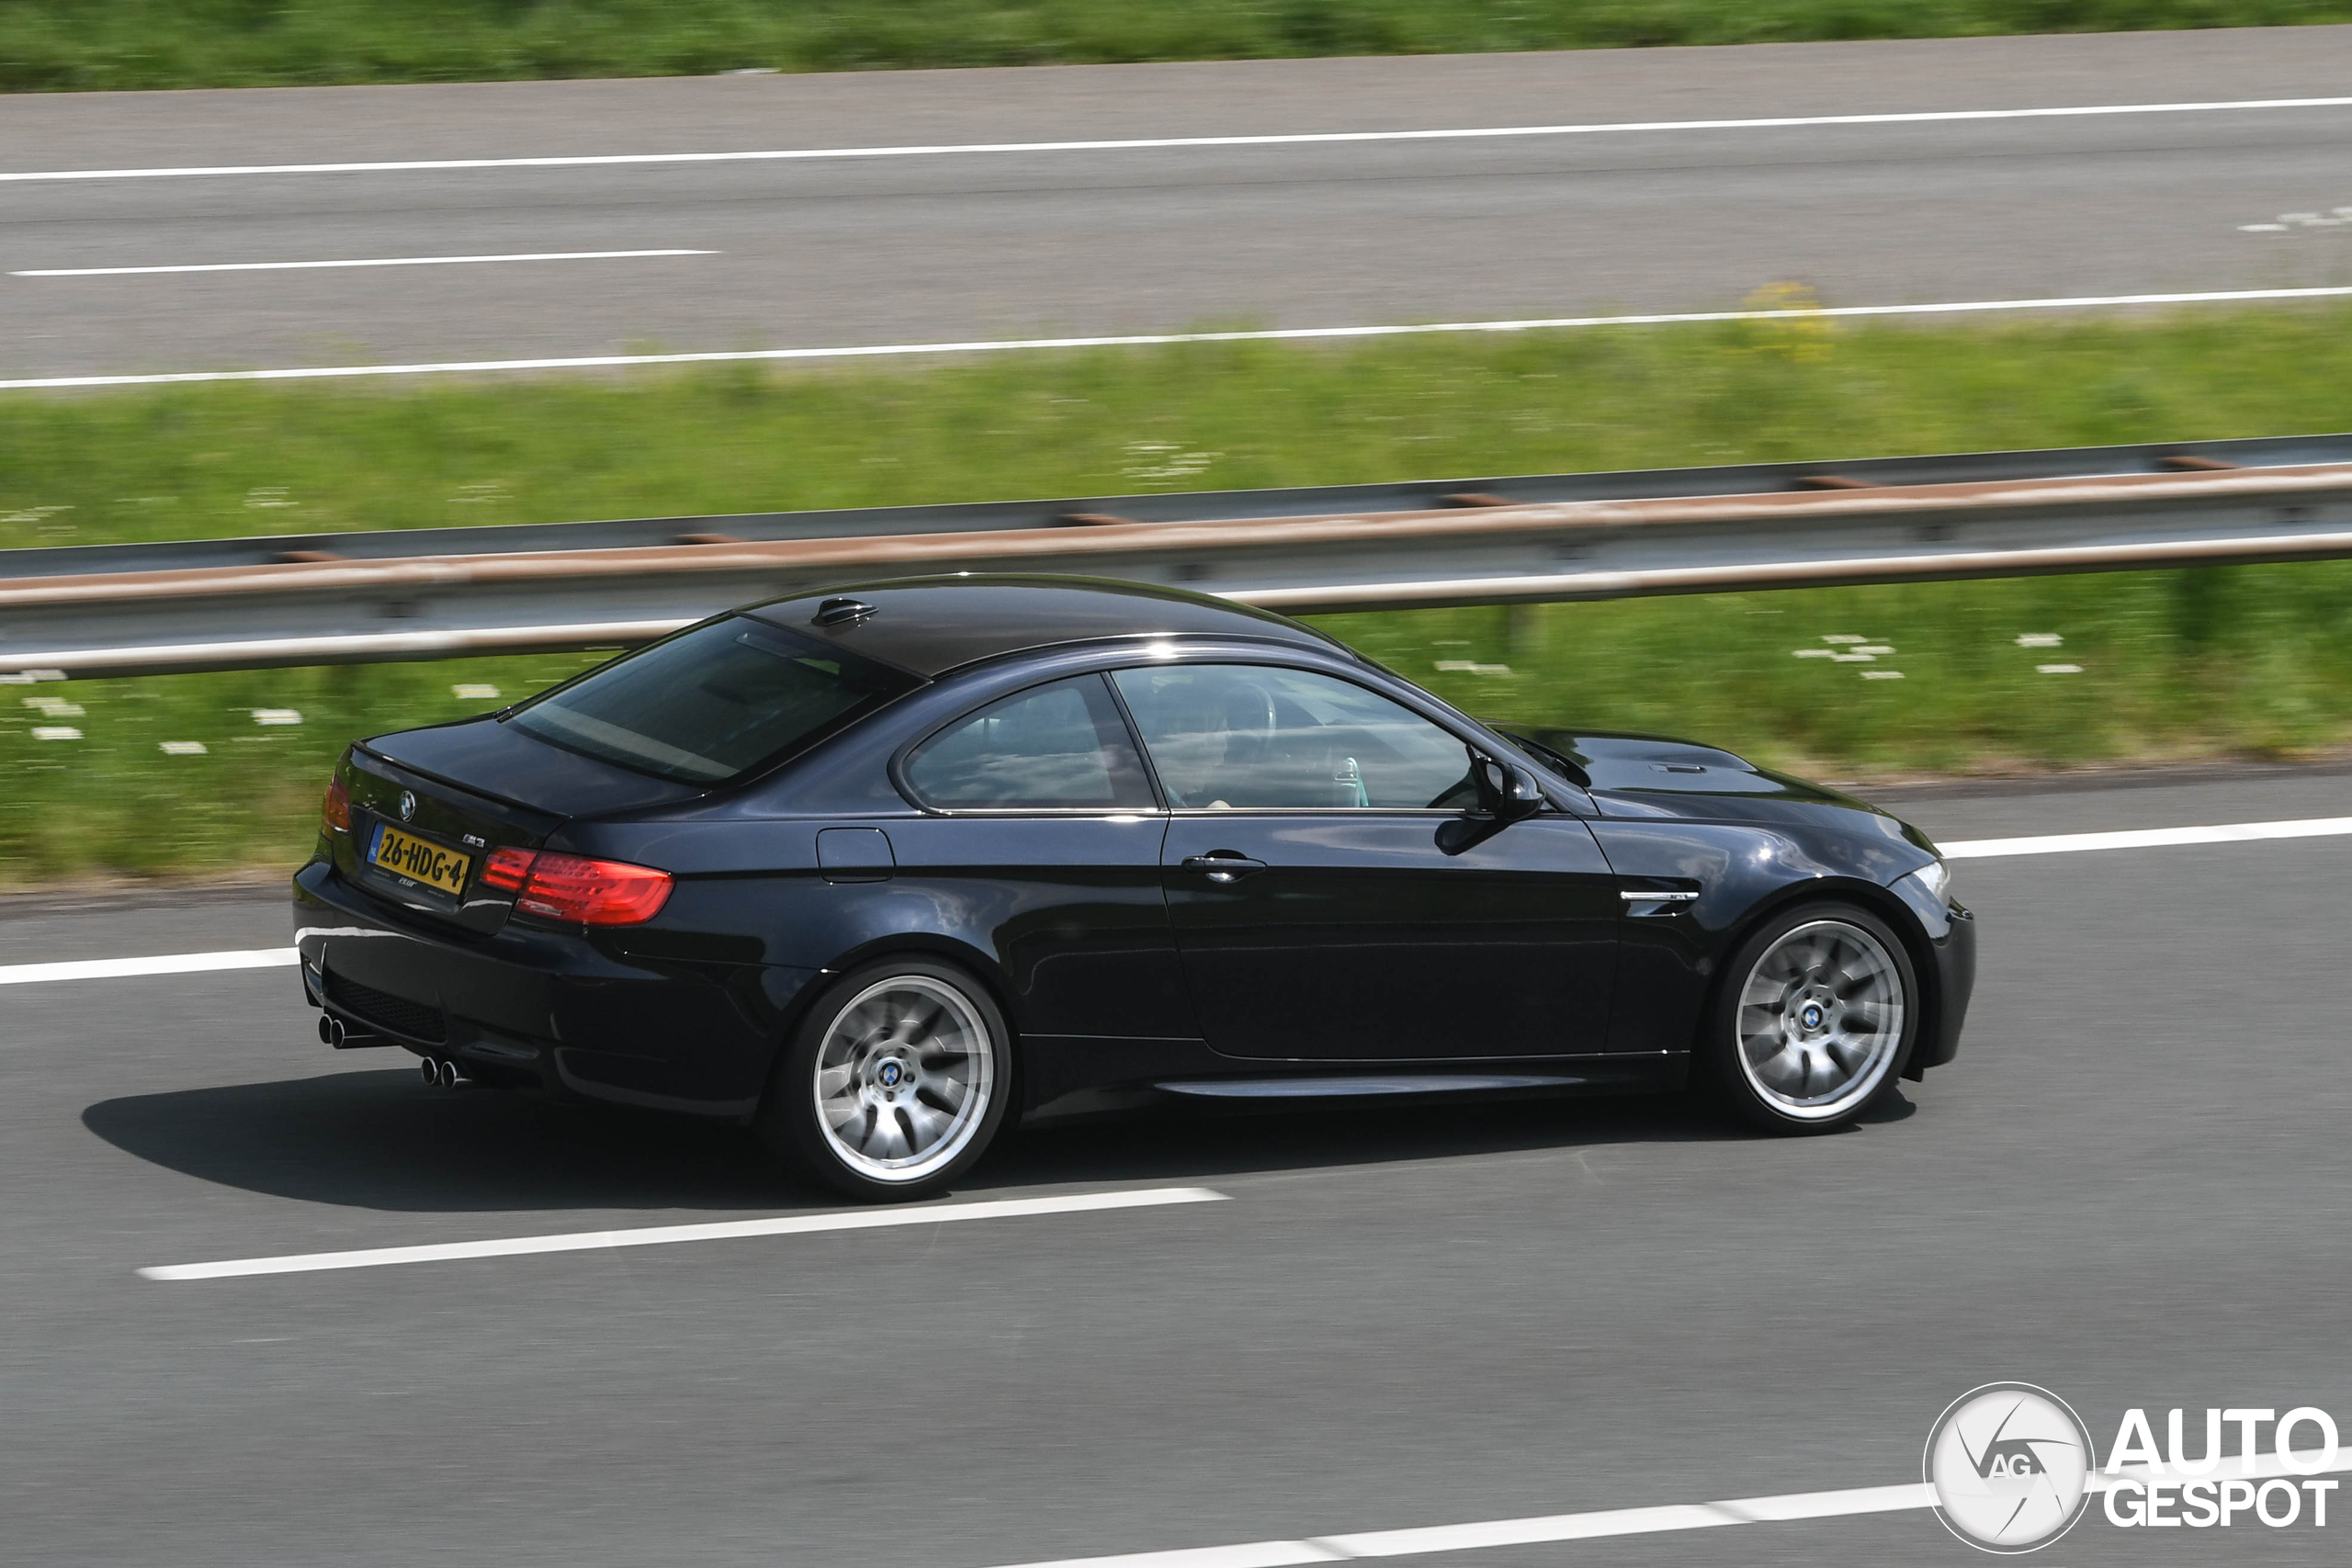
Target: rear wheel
x,y
894,1083
1816,1016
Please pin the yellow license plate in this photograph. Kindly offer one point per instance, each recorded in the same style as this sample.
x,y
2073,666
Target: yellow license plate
x,y
404,854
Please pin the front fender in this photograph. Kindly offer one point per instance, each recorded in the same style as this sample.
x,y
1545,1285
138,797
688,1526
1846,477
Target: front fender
x,y
1744,874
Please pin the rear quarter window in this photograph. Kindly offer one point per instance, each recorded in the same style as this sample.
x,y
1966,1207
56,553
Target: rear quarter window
x,y
1057,747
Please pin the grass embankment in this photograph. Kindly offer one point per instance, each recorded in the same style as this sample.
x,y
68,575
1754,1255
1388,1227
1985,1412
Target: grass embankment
x,y
2216,661
86,44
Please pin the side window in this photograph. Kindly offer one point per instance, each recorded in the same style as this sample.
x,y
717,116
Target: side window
x,y
1230,735
1058,748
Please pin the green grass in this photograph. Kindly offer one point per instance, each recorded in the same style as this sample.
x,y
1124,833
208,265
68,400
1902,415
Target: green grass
x,y
215,461
114,804
2254,661
84,44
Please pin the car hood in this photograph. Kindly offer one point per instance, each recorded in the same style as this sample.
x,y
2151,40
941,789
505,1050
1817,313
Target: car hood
x,y
1653,776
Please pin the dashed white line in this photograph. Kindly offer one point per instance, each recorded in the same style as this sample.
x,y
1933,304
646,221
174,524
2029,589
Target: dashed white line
x,y
1599,1523
168,964
2149,838
1151,143
662,1236
1593,1526
1146,340
372,261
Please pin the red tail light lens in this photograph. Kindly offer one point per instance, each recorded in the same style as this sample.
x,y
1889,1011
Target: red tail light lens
x,y
335,811
507,870
574,888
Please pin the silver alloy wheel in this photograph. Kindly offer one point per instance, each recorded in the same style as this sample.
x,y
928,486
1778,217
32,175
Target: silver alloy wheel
x,y
1820,1020
903,1078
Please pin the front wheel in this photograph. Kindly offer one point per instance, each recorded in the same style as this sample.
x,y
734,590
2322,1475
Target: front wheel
x,y
1816,1016
893,1084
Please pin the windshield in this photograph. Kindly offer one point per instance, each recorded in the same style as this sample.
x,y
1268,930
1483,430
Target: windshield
x,y
711,704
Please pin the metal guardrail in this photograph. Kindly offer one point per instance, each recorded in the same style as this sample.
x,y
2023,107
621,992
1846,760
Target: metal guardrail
x,y
236,604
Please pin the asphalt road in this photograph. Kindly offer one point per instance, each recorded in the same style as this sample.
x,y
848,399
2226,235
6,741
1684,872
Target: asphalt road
x,y
965,246
2130,1188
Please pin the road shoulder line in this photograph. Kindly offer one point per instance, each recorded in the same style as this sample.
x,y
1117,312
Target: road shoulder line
x,y
1151,340
1156,144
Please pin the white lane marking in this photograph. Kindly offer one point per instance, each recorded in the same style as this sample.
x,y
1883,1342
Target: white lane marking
x,y
1146,340
659,1235
1153,143
1593,1526
384,261
1967,848
169,964
2149,838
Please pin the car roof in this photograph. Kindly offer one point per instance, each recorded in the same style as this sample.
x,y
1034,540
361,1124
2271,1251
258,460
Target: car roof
x,y
932,624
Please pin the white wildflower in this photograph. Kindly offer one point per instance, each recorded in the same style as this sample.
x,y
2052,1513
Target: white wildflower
x,y
1159,461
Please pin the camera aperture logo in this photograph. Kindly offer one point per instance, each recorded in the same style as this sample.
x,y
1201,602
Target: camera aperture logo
x,y
2010,1466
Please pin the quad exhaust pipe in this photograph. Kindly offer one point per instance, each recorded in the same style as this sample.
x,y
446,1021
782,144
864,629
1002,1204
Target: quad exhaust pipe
x,y
334,1031
438,1072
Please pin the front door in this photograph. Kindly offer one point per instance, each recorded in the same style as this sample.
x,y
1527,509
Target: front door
x,y
1315,916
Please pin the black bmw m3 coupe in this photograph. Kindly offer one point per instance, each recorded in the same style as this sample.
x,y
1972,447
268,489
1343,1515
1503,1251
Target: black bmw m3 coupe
x,y
875,870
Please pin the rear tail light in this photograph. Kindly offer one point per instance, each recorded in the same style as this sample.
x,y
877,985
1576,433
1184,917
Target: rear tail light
x,y
577,889
335,811
507,870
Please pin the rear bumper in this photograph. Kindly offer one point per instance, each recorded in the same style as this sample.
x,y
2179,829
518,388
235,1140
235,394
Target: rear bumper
x,y
545,1009
1955,959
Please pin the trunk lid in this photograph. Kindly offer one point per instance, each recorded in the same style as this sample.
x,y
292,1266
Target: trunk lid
x,y
434,803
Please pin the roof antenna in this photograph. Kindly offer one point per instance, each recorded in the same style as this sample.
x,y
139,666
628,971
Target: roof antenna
x,y
843,612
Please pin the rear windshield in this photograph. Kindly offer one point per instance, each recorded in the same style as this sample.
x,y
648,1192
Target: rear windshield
x,y
711,704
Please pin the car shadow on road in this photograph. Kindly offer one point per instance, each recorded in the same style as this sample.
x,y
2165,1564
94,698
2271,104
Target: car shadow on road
x,y
381,1140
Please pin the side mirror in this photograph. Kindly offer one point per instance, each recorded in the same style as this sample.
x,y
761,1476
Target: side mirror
x,y
1506,795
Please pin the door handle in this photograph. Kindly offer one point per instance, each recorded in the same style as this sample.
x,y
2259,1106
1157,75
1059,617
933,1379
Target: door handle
x,y
1224,866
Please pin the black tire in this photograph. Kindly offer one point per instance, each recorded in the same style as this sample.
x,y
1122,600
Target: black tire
x,y
895,1082
1820,1075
